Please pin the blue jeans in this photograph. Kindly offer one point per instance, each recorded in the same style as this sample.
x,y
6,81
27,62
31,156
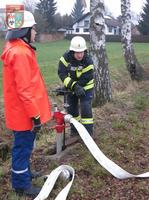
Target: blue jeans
x,y
21,153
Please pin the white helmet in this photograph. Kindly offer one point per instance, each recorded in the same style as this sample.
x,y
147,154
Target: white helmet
x,y
78,44
28,21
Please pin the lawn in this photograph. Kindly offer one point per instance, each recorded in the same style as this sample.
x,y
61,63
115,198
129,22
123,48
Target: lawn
x,y
48,55
121,132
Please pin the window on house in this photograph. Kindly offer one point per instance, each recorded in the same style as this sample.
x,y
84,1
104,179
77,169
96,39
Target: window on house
x,y
119,32
77,30
110,29
115,31
86,23
85,30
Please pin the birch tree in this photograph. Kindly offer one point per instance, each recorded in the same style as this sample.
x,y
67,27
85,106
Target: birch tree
x,y
133,66
102,92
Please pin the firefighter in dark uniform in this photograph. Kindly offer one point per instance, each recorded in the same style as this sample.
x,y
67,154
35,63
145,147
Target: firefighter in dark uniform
x,y
76,72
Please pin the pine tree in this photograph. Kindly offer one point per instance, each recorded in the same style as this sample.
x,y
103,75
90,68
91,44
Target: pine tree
x,y
78,10
47,9
144,22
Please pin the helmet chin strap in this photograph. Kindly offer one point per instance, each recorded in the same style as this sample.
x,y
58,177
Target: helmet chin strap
x,y
27,37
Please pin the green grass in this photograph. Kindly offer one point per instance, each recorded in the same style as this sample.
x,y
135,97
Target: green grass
x,y
121,129
141,102
48,55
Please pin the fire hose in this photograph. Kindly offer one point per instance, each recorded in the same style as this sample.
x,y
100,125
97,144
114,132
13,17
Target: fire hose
x,y
67,171
105,162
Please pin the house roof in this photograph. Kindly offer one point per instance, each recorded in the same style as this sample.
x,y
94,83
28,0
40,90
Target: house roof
x,y
110,21
81,18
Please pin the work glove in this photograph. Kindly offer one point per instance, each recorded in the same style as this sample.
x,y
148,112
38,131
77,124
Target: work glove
x,y
79,91
36,124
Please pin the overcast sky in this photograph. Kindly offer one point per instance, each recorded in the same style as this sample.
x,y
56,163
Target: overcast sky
x,y
66,6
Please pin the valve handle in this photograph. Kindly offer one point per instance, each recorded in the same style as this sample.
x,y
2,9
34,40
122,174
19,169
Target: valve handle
x,y
61,91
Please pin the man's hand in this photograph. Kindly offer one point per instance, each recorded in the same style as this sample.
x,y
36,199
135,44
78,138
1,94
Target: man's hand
x,y
36,124
79,91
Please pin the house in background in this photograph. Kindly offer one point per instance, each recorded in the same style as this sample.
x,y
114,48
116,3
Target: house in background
x,y
81,26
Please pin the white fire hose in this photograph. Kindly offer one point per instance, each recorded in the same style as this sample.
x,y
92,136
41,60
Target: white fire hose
x,y
105,162
66,172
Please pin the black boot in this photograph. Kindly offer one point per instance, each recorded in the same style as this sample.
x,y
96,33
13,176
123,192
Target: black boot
x,y
30,192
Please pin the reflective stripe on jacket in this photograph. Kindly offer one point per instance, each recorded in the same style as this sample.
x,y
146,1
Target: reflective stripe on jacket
x,y
72,71
25,95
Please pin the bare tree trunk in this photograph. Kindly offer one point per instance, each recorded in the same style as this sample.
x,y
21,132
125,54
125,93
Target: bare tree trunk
x,y
133,66
103,92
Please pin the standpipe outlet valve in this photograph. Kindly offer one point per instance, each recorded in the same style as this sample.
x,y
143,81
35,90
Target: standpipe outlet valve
x,y
60,126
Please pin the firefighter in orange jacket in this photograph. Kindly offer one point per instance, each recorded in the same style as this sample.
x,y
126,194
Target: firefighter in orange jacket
x,y
26,101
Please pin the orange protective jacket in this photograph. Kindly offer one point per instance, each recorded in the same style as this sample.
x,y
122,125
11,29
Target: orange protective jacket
x,y
25,94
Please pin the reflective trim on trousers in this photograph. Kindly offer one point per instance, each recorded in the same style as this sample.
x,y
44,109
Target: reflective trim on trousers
x,y
87,121
19,172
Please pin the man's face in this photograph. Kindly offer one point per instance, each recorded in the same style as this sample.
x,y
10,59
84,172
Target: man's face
x,y
33,34
79,55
